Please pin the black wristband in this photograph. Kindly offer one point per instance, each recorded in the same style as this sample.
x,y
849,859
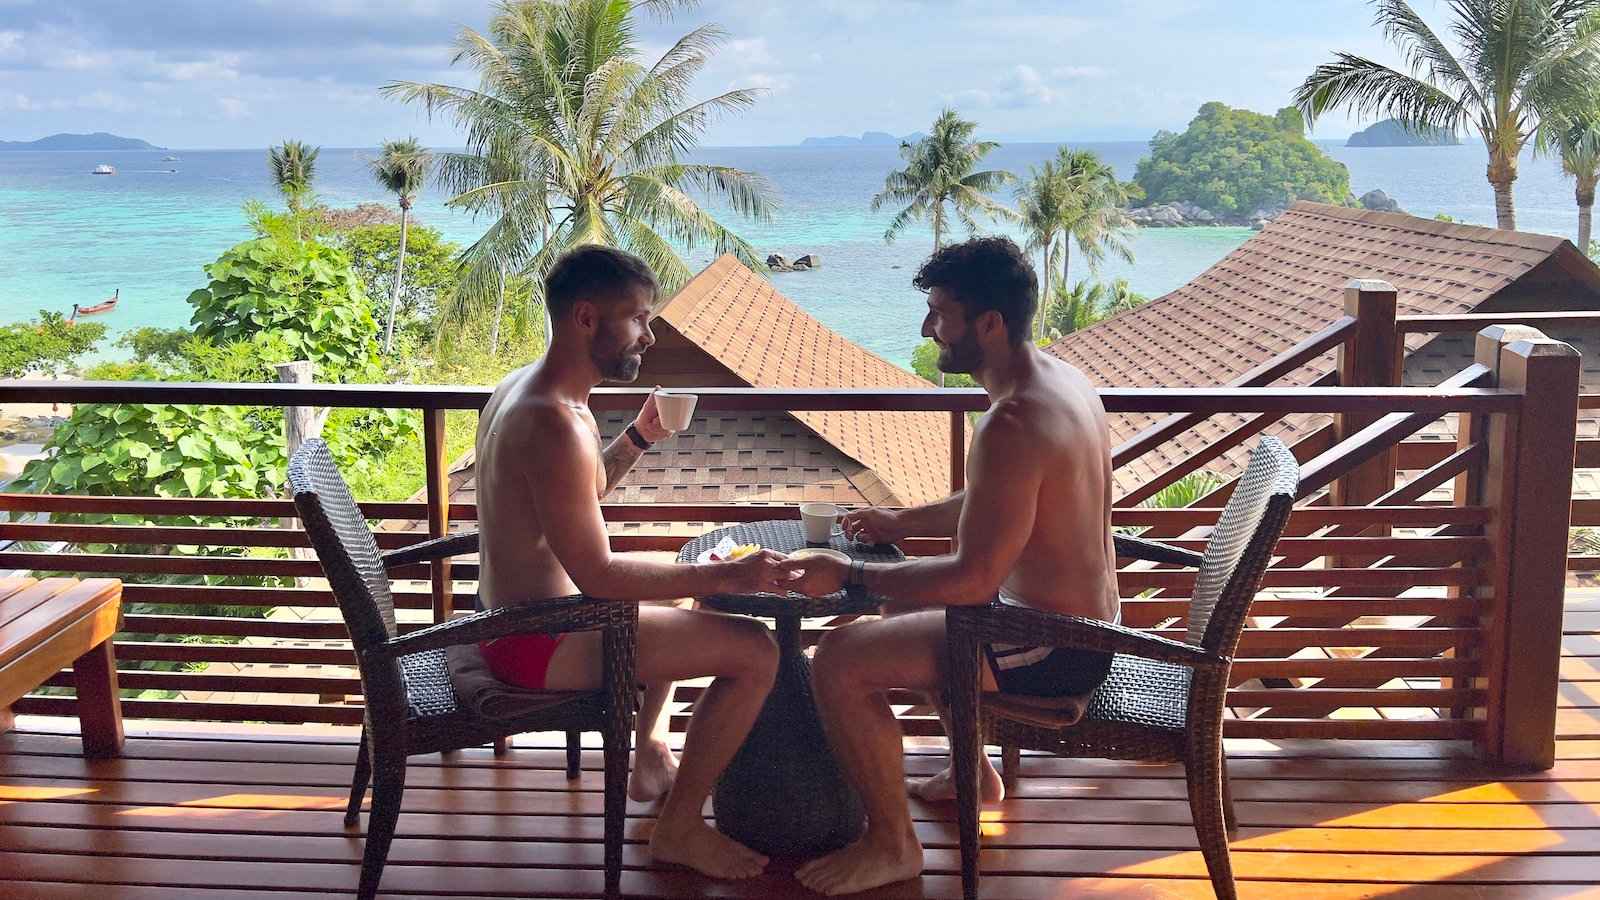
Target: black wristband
x,y
637,438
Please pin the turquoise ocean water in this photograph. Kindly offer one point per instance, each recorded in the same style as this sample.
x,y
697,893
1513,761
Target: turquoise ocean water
x,y
67,236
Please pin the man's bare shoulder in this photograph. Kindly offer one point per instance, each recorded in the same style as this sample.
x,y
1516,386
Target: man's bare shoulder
x,y
539,425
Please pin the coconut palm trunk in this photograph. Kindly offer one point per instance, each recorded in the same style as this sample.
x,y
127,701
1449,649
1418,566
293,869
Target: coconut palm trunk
x,y
1502,174
1044,297
499,313
1585,197
399,276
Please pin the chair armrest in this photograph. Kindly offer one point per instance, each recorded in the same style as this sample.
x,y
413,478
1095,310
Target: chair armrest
x,y
1007,624
1153,551
438,548
565,615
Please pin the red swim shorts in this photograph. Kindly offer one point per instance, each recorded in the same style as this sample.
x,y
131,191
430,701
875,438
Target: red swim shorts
x,y
522,660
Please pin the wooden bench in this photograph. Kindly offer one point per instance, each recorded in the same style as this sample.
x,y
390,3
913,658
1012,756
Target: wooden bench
x,y
49,624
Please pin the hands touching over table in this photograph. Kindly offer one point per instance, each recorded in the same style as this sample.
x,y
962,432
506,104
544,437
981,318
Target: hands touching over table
x,y
823,576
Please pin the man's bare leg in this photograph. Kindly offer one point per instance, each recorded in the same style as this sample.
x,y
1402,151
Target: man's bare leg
x,y
854,667
941,787
675,644
654,766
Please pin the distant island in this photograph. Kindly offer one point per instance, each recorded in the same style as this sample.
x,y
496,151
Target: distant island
x,y
867,139
100,140
1393,133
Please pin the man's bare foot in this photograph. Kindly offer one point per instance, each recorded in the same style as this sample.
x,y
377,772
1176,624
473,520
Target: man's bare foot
x,y
866,864
654,771
942,787
706,850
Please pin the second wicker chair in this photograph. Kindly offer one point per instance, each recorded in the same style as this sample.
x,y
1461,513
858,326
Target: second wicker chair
x,y
1163,701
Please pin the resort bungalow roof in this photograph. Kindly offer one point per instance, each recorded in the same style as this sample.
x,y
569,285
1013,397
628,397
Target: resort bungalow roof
x,y
729,327
1287,283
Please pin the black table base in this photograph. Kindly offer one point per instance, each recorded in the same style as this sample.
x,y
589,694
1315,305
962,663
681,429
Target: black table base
x,y
783,794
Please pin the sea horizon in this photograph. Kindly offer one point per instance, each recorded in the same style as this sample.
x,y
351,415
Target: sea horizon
x,y
67,236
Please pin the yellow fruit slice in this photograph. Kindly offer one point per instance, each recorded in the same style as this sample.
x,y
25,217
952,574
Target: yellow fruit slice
x,y
743,550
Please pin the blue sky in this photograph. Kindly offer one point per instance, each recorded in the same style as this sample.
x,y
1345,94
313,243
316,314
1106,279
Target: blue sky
x,y
247,73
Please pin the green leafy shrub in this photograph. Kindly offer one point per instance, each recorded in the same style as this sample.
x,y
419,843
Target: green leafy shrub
x,y
925,362
45,344
431,275
300,293
1233,162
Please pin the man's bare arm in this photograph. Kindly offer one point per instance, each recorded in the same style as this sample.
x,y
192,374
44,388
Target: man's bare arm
x,y
619,459
571,522
937,519
996,515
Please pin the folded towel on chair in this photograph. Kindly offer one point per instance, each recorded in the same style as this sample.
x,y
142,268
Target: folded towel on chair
x,y
1048,712
478,690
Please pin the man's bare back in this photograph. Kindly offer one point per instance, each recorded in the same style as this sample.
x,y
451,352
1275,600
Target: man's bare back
x,y
517,562
1068,564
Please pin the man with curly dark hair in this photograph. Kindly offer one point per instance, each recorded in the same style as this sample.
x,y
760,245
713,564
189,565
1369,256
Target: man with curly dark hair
x,y
1032,528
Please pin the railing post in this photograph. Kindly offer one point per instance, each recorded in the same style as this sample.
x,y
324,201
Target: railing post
x,y
1370,358
1527,484
958,450
437,479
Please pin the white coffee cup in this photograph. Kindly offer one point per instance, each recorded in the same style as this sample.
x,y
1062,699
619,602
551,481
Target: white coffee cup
x,y
819,521
677,410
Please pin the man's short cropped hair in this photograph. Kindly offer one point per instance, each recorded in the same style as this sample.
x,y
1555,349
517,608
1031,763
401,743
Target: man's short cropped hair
x,y
593,272
983,274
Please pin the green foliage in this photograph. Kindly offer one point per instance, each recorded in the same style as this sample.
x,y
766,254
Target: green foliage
x,y
1186,491
1290,121
431,276
45,344
1234,162
1085,304
925,362
161,346
296,297
139,449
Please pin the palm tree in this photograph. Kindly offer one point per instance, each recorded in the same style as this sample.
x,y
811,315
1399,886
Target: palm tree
x,y
939,170
1519,61
1074,309
1039,212
572,140
293,165
1093,210
1575,138
1121,297
401,168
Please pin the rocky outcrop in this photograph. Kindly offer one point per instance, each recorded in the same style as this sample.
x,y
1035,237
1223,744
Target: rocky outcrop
x,y
1379,201
1184,214
777,262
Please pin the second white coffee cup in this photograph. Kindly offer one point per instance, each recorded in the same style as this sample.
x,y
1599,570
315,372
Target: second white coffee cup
x,y
819,520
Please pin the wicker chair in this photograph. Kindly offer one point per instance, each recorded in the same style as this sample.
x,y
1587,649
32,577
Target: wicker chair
x,y
1163,700
411,707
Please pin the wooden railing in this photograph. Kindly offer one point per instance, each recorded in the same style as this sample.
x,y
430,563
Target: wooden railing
x,y
1381,602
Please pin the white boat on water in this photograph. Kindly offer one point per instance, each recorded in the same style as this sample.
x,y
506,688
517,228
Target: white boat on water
x,y
169,159
103,169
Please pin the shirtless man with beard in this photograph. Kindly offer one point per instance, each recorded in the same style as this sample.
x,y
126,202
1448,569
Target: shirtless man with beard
x,y
541,473
1032,528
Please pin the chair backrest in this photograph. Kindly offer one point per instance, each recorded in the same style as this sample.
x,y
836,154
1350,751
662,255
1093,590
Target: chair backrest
x,y
344,544
1241,545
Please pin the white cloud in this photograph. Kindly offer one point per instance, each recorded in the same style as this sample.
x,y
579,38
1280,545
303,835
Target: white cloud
x,y
747,53
104,101
1020,88
218,68
1067,73
773,83
233,107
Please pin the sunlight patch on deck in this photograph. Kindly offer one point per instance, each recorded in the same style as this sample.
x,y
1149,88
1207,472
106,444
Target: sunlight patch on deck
x,y
16,793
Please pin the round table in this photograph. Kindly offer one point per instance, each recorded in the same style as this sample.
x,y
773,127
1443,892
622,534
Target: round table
x,y
783,793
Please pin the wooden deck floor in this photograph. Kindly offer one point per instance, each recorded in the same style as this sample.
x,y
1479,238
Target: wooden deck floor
x,y
254,813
